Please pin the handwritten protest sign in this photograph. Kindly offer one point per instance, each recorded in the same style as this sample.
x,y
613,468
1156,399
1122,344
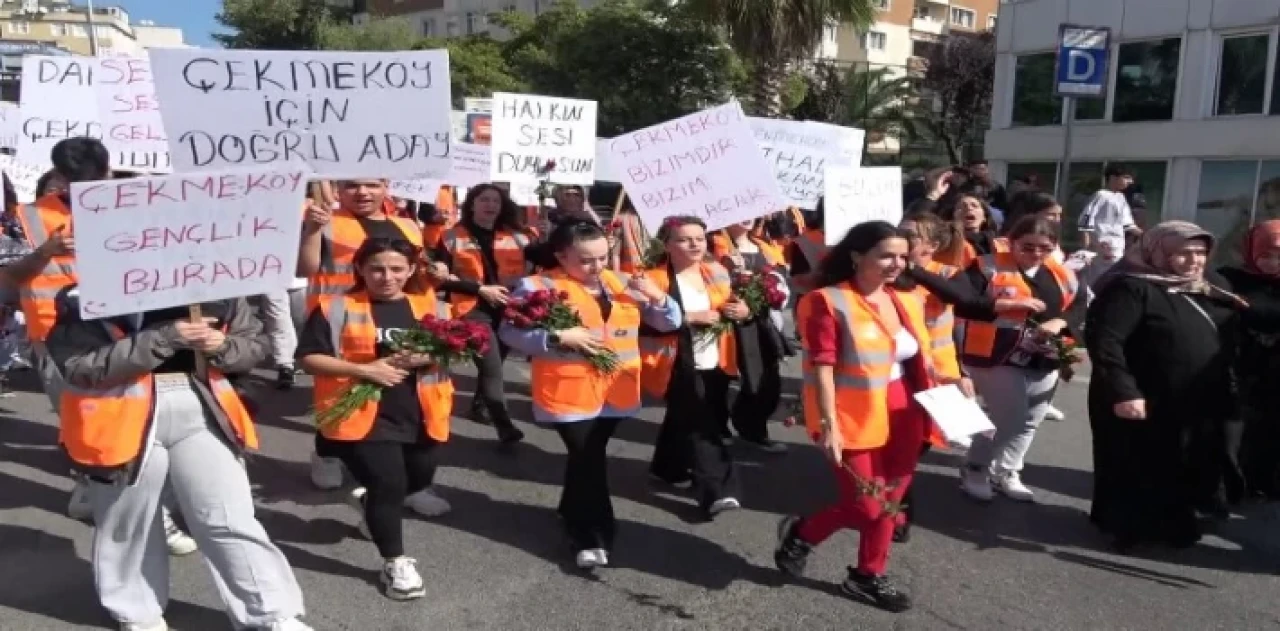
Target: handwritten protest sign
x,y
418,190
705,164
60,100
23,176
339,114
858,195
10,125
157,242
130,114
530,130
470,165
800,151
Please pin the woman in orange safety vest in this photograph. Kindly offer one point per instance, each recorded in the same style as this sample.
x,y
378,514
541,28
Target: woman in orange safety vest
x,y
146,410
973,216
583,404
867,350
388,445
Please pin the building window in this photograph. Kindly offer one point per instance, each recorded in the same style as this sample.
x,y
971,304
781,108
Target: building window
x,y
1033,101
1146,80
537,7
961,16
991,22
874,40
58,29
882,5
78,30
829,32
920,12
451,29
21,28
1234,195
1086,179
1242,75
429,27
102,31
475,23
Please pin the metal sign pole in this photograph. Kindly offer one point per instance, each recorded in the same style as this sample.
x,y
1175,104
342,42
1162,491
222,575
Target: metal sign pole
x,y
1063,188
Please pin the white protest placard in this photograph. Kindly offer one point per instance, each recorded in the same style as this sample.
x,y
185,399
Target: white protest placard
x,y
60,100
958,416
470,165
705,164
23,176
800,151
419,190
156,242
858,195
604,165
342,115
130,115
530,131
10,125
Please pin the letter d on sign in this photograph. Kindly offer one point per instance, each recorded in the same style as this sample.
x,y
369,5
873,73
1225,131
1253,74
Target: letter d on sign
x,y
1075,72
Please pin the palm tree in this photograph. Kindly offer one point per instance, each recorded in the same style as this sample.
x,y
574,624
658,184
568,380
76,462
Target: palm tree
x,y
877,101
772,34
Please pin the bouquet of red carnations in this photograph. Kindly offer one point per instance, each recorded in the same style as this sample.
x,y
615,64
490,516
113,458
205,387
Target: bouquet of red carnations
x,y
760,292
1068,354
550,311
447,342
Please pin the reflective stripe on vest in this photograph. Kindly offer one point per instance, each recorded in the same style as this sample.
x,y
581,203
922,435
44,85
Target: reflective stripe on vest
x,y
565,386
344,235
354,338
659,353
986,340
468,261
38,295
940,318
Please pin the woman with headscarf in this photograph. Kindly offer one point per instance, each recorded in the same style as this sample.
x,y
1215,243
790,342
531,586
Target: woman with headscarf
x,y
1161,400
1257,365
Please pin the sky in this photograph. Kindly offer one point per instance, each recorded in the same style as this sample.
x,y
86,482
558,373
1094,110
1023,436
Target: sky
x,y
194,17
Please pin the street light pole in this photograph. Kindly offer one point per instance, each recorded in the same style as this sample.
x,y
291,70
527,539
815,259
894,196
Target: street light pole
x,y
93,31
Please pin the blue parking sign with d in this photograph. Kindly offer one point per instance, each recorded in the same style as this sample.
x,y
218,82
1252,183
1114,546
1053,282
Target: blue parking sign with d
x,y
1083,52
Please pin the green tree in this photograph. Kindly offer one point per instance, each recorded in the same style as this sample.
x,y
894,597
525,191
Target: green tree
x,y
771,35
276,24
382,34
875,100
476,67
958,84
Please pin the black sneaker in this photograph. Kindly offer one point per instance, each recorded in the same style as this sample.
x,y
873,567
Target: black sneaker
x,y
480,414
509,434
879,590
902,533
792,554
286,377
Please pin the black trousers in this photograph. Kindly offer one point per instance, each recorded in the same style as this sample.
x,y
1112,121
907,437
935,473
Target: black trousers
x,y
690,443
490,397
585,504
755,405
389,472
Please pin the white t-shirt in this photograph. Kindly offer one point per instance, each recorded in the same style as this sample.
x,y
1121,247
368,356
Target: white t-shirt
x,y
905,347
706,354
1108,214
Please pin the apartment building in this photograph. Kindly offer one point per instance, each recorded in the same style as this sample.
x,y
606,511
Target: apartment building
x,y
53,27
451,18
1192,106
905,30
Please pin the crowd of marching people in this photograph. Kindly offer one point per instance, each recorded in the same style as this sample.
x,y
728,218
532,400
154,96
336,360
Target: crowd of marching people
x,y
972,289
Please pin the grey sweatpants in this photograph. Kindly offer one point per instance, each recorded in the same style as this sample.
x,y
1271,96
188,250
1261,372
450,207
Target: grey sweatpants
x,y
130,560
1017,400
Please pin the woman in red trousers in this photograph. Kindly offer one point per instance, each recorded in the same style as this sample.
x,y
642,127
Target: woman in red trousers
x,y
867,350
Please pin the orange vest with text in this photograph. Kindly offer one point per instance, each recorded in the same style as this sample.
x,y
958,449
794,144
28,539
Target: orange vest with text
x,y
356,338
659,353
38,295
109,427
988,343
863,365
468,261
343,236
565,385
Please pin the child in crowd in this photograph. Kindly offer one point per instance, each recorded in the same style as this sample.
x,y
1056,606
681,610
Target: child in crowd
x,y
1090,266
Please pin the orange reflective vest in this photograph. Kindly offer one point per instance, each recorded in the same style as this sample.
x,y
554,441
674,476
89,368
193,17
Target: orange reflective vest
x,y
447,212
468,261
813,247
344,236
659,352
110,427
989,343
722,246
38,295
355,337
968,254
939,318
863,365
565,385
631,242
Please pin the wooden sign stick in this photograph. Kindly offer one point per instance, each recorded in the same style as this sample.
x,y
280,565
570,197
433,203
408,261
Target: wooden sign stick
x,y
202,364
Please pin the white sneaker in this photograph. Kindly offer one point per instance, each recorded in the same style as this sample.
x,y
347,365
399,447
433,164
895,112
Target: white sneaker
x,y
180,543
976,484
592,558
135,626
289,624
79,507
356,501
724,504
326,473
427,503
400,579
1010,485
1054,414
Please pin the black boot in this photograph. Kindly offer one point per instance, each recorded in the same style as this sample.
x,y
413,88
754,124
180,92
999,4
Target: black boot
x,y
879,590
792,553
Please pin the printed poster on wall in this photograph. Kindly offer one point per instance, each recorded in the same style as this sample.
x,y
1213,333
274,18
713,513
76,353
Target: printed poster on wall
x,y
157,242
340,115
706,165
800,151
529,131
858,195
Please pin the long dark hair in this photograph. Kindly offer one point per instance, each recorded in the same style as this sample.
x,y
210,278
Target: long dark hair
x,y
670,225
1027,204
417,282
509,217
838,265
1033,225
988,219
562,237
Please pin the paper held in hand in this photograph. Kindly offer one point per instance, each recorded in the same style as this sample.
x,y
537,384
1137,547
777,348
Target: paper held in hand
x,y
958,416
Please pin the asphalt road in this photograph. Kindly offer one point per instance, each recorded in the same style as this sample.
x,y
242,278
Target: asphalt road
x,y
499,560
